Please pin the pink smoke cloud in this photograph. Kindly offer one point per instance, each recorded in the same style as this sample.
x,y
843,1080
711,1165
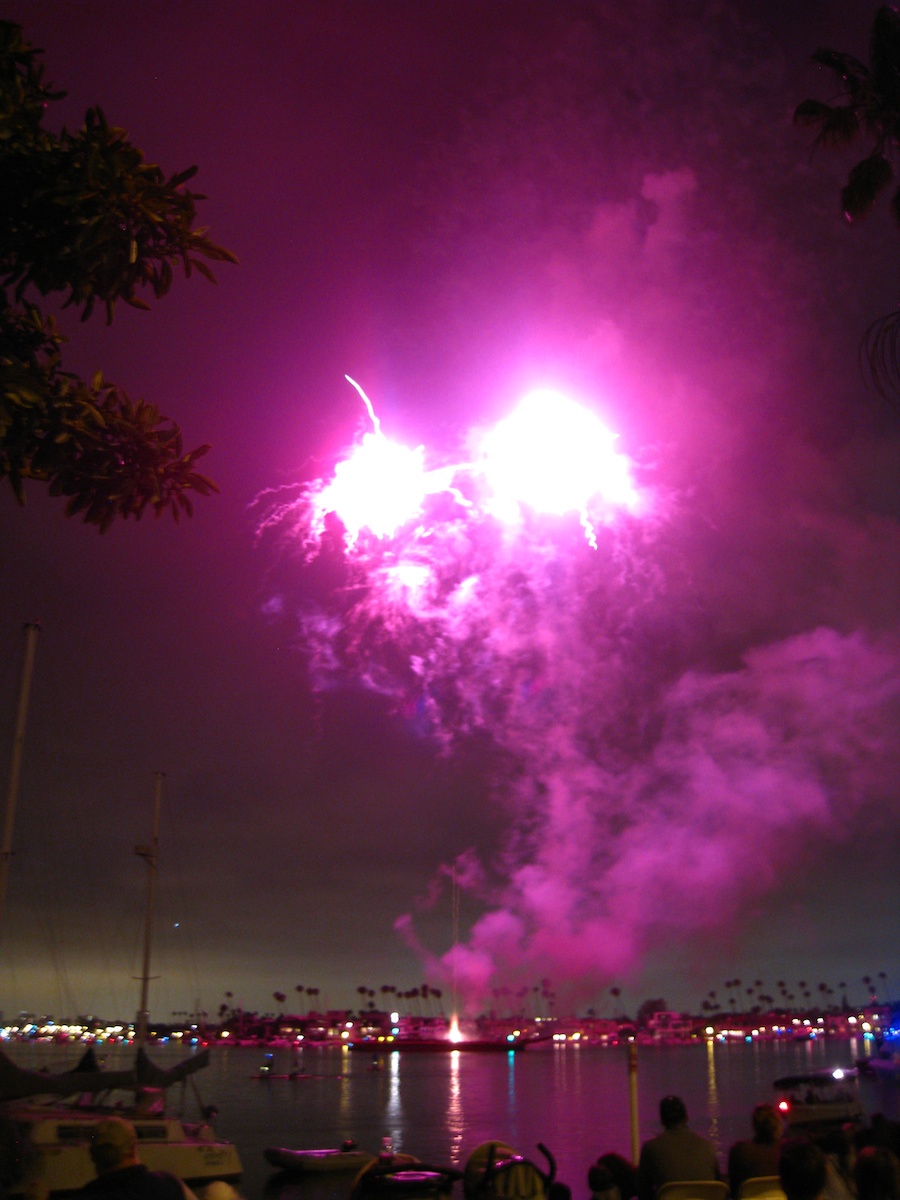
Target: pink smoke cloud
x,y
751,771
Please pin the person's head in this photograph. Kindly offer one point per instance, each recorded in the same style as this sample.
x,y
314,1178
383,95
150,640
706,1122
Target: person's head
x,y
838,1145
801,1169
885,1132
623,1172
113,1144
877,1174
766,1124
602,1183
672,1112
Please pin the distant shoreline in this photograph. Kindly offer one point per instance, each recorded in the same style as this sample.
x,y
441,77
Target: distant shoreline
x,y
381,1031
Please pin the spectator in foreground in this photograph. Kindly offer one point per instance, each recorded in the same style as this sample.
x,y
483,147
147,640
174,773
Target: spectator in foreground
x,y
120,1175
758,1157
838,1148
675,1155
612,1171
602,1183
877,1174
801,1169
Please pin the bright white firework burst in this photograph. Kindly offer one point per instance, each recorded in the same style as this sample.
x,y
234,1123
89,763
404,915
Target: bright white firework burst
x,y
550,456
419,561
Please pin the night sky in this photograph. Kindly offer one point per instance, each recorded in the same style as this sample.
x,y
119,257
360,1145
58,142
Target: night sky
x,y
696,777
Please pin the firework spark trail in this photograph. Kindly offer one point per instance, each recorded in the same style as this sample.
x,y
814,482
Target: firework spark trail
x,y
643,801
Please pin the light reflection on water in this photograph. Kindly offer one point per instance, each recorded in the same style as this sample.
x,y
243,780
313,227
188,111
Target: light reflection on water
x,y
440,1106
393,1113
456,1122
712,1093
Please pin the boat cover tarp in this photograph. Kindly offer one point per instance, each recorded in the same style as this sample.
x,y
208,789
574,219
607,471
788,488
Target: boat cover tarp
x,y
17,1083
150,1075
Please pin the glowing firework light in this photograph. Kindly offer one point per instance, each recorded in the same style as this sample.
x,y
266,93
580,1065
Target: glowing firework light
x,y
527,591
445,567
551,456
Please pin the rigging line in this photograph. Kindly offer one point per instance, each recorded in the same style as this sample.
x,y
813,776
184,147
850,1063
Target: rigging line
x,y
39,915
11,974
186,928
109,945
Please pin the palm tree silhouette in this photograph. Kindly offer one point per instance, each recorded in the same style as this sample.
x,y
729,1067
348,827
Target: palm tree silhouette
x,y
870,105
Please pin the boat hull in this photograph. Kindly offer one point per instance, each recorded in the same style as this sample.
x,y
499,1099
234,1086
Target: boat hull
x,y
881,1068
316,1161
54,1146
820,1099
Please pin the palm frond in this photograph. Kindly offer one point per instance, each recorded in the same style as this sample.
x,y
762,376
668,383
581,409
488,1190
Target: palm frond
x,y
879,357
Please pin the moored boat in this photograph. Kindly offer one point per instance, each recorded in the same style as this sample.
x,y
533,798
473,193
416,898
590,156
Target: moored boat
x,y
817,1098
884,1065
48,1119
340,1158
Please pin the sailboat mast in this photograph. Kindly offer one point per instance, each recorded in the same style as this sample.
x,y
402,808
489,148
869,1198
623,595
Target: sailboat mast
x,y
149,855
15,766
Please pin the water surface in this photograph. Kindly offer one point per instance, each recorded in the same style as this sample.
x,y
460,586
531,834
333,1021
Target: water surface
x,y
439,1107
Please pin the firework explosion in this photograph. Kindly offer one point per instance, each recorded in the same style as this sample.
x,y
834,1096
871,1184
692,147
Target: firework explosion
x,y
529,593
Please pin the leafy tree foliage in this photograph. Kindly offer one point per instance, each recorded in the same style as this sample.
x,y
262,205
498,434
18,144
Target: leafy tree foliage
x,y
650,1008
869,106
82,215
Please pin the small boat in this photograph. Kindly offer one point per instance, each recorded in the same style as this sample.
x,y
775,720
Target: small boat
x,y
267,1071
403,1177
883,1065
47,1121
347,1157
261,1074
820,1098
